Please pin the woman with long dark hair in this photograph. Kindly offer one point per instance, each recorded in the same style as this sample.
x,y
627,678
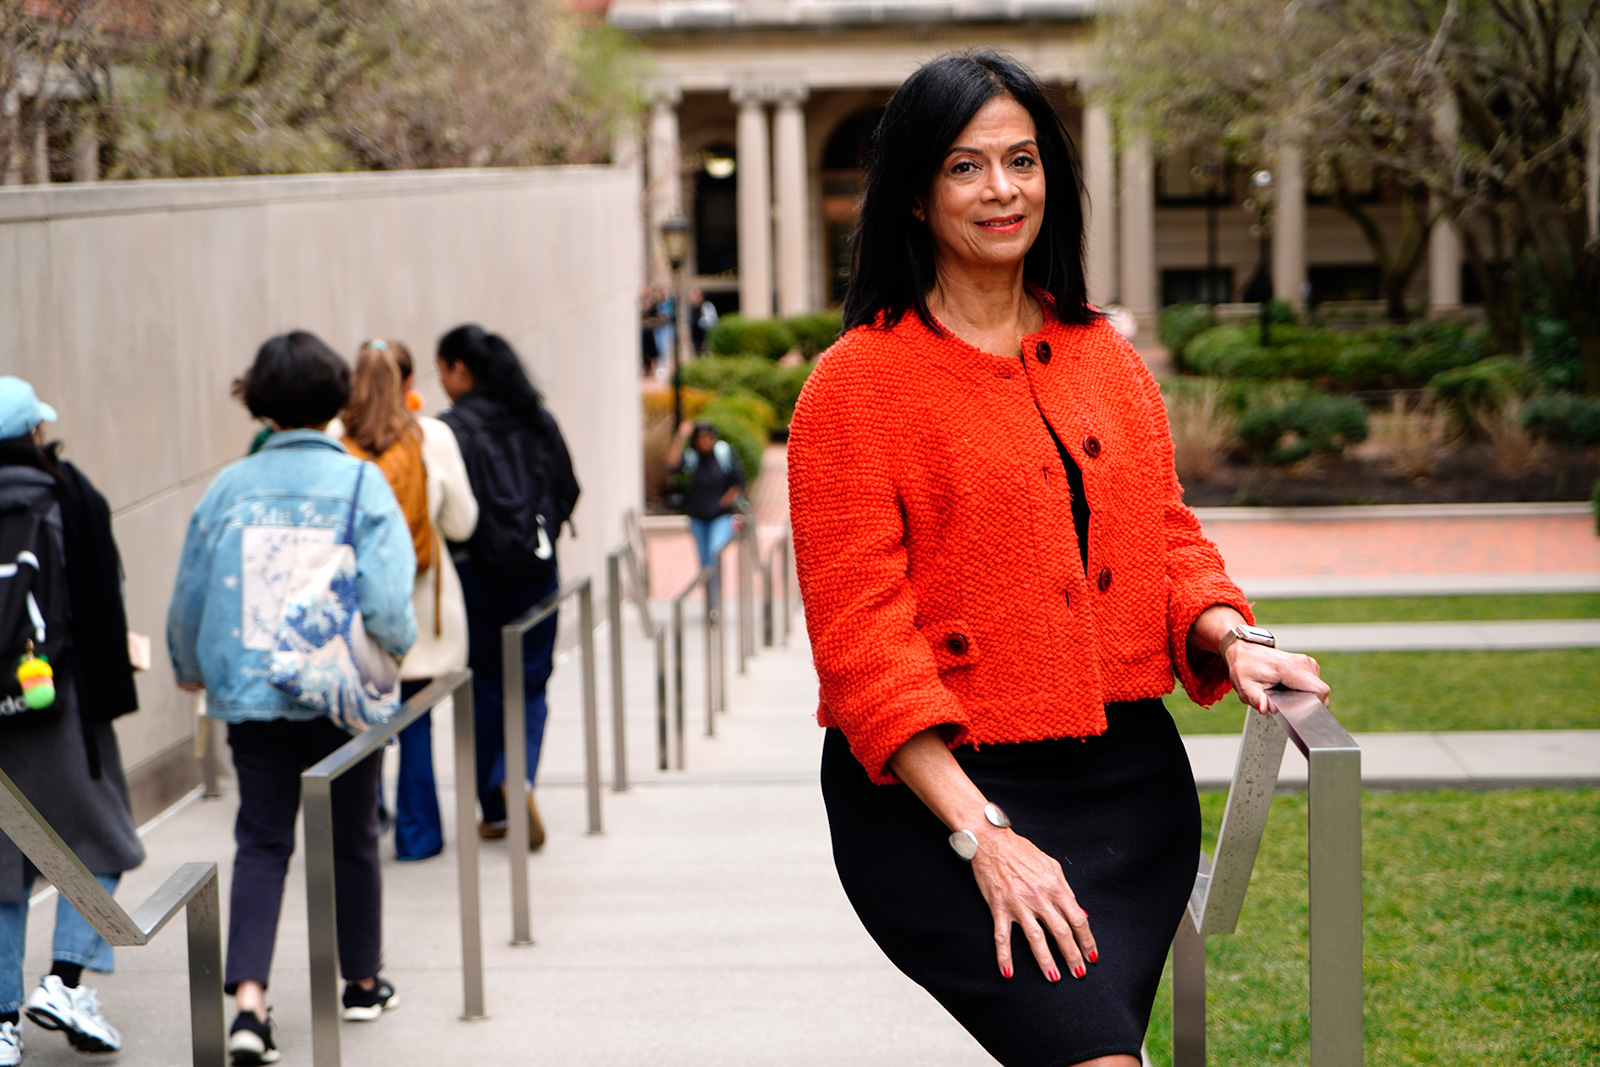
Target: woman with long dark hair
x,y
60,751
1000,581
522,478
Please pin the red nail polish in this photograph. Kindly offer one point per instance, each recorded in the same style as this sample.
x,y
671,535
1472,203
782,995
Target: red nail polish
x,y
1094,956
1005,972
1054,975
1080,970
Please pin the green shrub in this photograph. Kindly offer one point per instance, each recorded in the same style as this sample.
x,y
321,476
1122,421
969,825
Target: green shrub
x,y
1564,419
1407,356
1233,350
731,417
778,386
1179,324
1553,353
1488,383
815,330
750,407
735,335
1301,424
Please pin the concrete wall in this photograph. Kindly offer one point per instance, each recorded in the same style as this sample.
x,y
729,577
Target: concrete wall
x,y
132,306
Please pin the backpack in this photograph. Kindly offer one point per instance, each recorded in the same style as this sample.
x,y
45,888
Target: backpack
x,y
721,451
402,465
33,599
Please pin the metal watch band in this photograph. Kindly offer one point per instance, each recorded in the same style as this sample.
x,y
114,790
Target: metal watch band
x,y
1240,632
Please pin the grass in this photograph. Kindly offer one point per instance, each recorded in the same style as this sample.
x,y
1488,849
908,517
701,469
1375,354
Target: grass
x,y
1481,935
1429,608
1459,690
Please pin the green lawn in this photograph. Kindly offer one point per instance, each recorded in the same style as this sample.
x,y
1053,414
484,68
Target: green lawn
x,y
1429,608
1373,691
1481,935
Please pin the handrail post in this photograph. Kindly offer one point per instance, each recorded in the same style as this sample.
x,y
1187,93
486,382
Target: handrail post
x,y
713,639
1334,830
1189,993
208,1024
619,746
464,737
515,726
591,709
322,933
661,698
743,561
677,672
788,549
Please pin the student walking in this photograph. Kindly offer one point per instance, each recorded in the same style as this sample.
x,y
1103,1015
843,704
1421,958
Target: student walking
x,y
522,478
222,627
419,457
65,676
715,481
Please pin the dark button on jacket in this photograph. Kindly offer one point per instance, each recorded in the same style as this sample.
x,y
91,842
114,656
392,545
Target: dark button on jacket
x,y
1041,351
1091,447
1105,578
957,644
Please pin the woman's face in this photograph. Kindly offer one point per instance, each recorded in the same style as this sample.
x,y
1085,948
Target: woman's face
x,y
985,205
455,379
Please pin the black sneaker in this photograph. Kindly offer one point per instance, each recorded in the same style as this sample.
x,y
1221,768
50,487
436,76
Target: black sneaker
x,y
250,1040
365,1005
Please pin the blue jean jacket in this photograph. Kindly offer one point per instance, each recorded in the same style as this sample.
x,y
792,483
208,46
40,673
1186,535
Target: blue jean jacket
x,y
223,621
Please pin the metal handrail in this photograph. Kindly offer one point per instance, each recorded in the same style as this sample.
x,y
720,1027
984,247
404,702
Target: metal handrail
x,y
716,666
516,737
1334,867
192,887
316,790
616,592
777,561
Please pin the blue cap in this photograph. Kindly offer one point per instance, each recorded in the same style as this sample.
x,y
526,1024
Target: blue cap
x,y
20,409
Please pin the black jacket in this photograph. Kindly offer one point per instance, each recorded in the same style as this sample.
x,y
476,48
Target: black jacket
x,y
521,473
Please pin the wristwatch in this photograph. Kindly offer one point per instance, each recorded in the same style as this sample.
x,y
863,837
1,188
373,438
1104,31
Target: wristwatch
x,y
965,842
1240,632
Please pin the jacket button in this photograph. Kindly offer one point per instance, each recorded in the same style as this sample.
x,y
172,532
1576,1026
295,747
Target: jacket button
x,y
1105,579
1041,351
957,644
1091,447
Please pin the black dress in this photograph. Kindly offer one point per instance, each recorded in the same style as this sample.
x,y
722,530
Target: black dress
x,y
1119,811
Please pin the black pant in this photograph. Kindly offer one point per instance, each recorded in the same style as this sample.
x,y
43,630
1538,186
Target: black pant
x,y
269,757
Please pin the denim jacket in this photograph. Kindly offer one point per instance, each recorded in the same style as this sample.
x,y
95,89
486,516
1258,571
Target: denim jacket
x,y
236,561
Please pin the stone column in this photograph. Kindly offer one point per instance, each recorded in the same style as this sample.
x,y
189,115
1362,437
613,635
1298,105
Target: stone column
x,y
86,152
1138,204
1444,244
665,175
754,188
1100,205
793,209
1289,225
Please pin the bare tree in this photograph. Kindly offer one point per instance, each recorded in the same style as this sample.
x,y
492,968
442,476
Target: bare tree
x,y
51,51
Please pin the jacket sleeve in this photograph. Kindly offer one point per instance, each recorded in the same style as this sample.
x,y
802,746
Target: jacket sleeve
x,y
879,680
458,514
386,567
189,599
565,488
1196,575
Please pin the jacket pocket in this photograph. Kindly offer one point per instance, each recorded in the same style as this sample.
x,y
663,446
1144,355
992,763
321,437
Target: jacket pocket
x,y
952,643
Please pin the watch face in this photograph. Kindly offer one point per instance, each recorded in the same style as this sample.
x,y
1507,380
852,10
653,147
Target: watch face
x,y
1257,635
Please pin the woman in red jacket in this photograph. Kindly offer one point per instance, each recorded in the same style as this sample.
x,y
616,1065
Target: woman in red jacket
x,y
1000,581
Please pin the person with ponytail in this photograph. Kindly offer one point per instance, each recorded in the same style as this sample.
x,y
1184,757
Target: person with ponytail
x,y
521,475
419,457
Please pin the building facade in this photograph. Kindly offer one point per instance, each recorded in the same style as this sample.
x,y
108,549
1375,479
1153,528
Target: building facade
x,y
760,112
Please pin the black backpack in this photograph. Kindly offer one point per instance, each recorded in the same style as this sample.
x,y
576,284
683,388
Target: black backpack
x,y
33,598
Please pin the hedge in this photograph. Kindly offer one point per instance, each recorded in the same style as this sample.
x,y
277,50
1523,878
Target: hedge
x,y
777,385
1178,325
816,330
735,335
1564,419
1233,350
1301,424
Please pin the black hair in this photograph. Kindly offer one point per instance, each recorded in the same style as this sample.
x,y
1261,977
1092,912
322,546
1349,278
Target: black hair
x,y
495,368
296,381
25,451
892,253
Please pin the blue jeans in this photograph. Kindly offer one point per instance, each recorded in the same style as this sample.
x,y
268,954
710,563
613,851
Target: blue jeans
x,y
418,830
491,603
75,942
710,535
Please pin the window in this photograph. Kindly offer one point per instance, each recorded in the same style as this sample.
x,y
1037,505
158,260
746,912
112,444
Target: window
x,y
716,214
1188,286
1343,282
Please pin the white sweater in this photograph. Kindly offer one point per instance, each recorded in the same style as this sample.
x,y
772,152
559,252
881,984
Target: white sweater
x,y
453,511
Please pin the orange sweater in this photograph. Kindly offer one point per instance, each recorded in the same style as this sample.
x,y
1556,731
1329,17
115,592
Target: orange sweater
x,y
934,542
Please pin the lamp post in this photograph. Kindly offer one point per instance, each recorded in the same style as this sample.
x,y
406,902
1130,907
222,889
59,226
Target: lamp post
x,y
675,244
1261,204
1208,174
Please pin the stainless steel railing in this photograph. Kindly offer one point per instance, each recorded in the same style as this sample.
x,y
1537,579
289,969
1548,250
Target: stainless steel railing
x,y
716,663
1334,832
616,592
516,737
776,574
192,887
316,786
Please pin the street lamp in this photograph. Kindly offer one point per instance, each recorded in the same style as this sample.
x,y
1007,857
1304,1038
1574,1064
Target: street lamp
x,y
675,245
1208,175
1261,204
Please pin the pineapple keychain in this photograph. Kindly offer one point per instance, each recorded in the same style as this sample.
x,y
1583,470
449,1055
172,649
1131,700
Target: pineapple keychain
x,y
37,679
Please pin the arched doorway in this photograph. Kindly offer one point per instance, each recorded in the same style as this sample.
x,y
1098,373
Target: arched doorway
x,y
716,213
843,167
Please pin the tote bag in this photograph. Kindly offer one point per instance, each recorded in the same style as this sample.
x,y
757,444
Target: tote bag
x,y
324,656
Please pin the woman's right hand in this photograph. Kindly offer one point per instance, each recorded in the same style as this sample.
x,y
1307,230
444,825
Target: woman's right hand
x,y
1023,885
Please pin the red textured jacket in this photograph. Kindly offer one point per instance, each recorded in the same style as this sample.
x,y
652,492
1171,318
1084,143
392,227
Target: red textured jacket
x,y
935,549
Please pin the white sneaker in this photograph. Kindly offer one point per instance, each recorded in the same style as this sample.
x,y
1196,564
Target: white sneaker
x,y
10,1045
73,1011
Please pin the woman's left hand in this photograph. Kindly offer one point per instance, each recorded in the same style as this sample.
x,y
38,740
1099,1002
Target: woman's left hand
x,y
1255,669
